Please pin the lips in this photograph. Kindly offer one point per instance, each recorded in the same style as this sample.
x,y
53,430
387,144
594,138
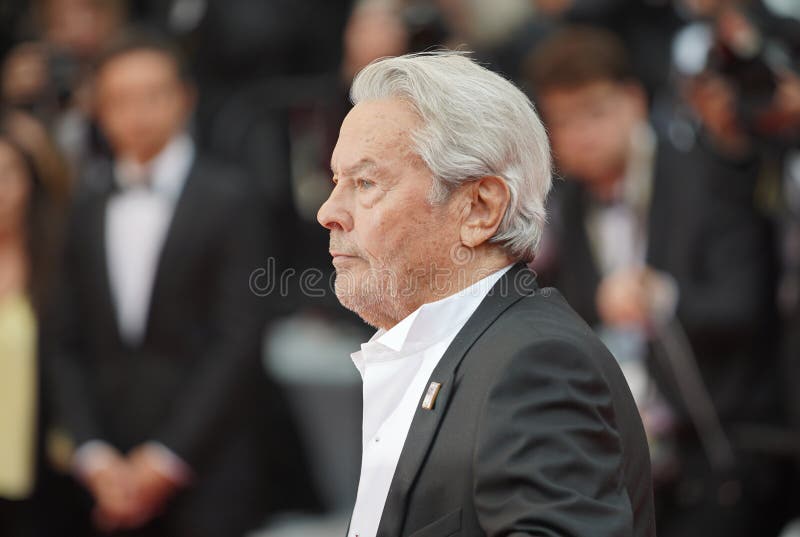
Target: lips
x,y
340,250
338,256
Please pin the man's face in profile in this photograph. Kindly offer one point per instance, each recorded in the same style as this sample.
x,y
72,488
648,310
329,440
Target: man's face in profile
x,y
386,239
141,103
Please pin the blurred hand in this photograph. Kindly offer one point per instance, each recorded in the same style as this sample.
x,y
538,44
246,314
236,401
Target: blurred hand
x,y
153,487
621,298
112,487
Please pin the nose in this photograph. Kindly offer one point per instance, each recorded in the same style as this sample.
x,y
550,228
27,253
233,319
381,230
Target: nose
x,y
333,214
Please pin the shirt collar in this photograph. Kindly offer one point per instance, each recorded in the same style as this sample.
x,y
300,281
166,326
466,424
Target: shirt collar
x,y
428,324
168,169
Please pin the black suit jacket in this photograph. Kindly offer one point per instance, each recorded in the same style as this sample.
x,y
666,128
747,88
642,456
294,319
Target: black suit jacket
x,y
534,431
195,383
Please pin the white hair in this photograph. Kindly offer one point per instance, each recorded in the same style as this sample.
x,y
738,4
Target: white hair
x,y
475,124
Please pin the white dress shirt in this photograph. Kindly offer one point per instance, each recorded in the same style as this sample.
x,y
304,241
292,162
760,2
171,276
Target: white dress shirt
x,y
137,221
395,367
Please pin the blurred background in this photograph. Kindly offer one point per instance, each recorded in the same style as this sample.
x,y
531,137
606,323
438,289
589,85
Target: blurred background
x,y
153,154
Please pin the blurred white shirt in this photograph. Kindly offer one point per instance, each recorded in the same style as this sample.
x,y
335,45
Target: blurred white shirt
x,y
137,221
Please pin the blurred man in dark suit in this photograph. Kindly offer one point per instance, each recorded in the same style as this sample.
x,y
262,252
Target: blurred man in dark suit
x,y
155,363
661,250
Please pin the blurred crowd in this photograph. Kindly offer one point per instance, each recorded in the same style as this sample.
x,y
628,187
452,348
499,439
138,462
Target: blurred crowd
x,y
172,361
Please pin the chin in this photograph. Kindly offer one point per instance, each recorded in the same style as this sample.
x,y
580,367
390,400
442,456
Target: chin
x,y
367,308
376,305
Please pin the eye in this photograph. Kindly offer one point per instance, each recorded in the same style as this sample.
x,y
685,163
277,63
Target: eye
x,y
364,184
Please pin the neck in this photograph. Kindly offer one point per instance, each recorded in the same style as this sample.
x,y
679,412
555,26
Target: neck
x,y
479,264
443,282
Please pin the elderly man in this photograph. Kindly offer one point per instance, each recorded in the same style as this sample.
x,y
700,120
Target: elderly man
x,y
490,408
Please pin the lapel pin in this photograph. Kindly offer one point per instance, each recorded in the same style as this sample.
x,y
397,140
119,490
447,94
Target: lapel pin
x,y
430,395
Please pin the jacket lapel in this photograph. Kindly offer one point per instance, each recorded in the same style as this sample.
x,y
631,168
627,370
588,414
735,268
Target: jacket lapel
x,y
518,282
97,243
183,224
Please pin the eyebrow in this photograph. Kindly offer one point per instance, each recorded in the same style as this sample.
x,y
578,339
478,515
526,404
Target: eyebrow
x,y
361,165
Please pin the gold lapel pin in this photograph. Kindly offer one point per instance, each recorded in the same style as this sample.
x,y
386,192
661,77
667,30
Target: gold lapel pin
x,y
430,395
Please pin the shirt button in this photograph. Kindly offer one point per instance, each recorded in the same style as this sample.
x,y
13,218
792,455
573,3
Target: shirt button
x,y
377,439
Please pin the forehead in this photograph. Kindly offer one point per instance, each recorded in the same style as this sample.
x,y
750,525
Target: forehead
x,y
378,130
568,97
137,67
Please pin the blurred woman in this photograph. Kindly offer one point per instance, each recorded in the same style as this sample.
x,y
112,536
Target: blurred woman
x,y
26,222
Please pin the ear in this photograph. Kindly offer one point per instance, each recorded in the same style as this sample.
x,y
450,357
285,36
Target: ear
x,y
487,199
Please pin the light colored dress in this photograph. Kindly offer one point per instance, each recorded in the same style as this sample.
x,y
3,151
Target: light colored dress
x,y
18,384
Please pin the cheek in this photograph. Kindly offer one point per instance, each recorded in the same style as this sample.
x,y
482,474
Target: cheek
x,y
14,197
570,150
562,144
572,138
168,116
604,138
388,237
382,238
617,142
19,196
122,124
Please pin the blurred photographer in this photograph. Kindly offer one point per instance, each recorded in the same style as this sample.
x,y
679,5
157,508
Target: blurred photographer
x,y
737,64
47,72
676,276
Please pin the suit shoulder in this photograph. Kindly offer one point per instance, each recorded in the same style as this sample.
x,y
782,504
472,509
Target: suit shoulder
x,y
543,329
546,316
